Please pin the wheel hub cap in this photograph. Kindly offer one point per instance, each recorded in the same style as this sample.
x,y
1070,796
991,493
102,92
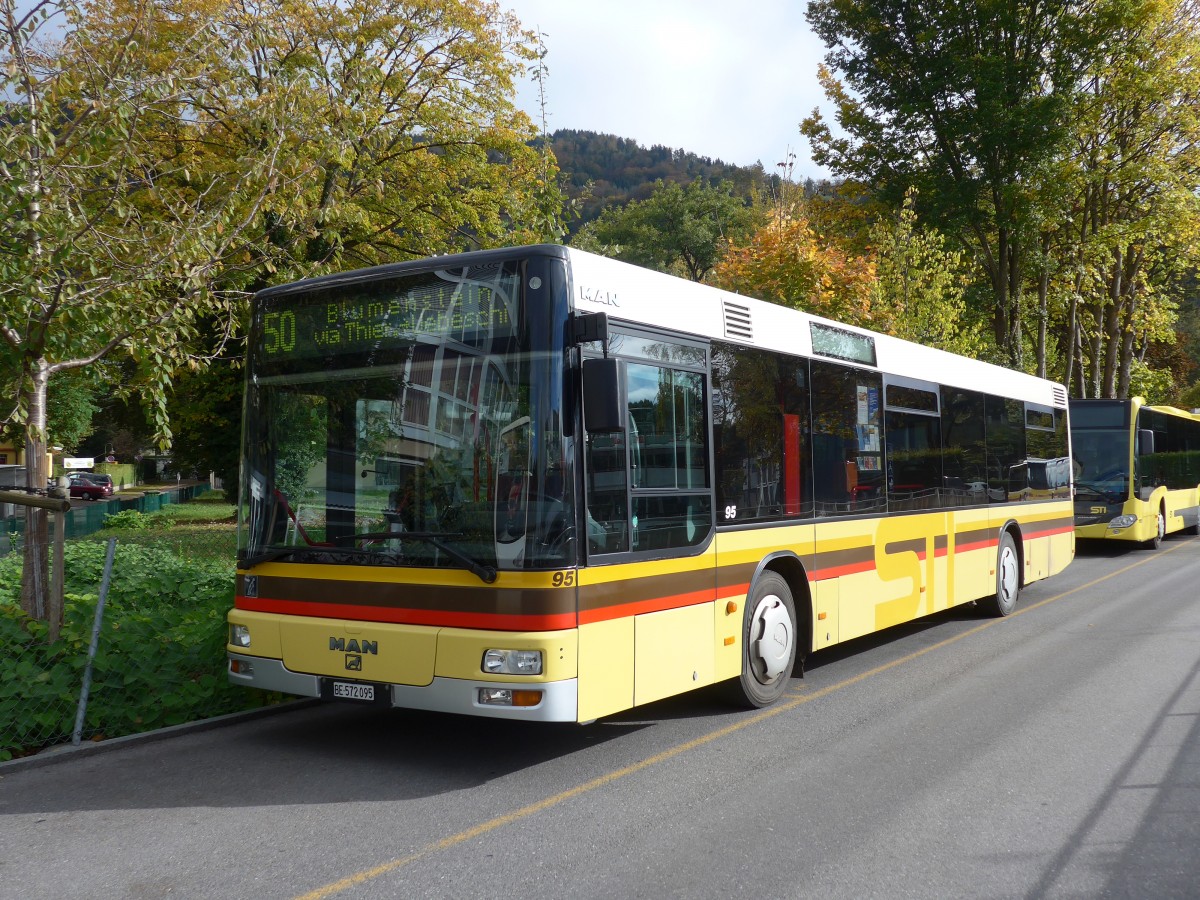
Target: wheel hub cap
x,y
775,635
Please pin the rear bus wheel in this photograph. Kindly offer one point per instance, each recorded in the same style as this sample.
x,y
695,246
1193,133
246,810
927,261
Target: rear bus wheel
x,y
1008,579
768,643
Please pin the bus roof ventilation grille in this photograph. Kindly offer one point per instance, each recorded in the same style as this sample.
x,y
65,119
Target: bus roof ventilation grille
x,y
737,321
1060,396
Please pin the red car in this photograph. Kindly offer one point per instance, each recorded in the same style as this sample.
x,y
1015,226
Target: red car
x,y
84,487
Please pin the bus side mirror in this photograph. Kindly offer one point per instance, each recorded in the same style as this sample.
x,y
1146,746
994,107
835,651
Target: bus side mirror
x,y
1145,442
602,396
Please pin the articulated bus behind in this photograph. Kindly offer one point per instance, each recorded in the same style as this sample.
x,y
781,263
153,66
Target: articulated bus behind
x,y
1137,470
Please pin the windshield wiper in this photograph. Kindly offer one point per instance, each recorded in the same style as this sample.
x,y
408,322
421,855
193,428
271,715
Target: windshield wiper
x,y
485,573
1110,496
269,554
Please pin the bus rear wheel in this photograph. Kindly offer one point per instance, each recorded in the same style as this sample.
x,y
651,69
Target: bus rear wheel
x,y
1008,579
768,643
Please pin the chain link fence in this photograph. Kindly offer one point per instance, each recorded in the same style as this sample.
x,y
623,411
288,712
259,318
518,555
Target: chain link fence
x,y
159,654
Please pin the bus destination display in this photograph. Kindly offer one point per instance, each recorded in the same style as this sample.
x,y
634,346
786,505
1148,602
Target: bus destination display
x,y
384,314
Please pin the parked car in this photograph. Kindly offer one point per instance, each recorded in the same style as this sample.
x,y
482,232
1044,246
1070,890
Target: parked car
x,y
87,486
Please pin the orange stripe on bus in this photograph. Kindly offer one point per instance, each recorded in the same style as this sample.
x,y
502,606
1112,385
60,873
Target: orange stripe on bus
x,y
838,571
400,616
1049,532
657,604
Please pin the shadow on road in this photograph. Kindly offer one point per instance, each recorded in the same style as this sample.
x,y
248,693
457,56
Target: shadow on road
x,y
312,755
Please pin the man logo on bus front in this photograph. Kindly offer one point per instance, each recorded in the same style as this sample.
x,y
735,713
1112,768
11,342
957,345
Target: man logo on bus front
x,y
353,662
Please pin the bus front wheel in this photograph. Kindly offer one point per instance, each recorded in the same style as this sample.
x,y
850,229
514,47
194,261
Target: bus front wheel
x,y
768,643
1160,530
1008,579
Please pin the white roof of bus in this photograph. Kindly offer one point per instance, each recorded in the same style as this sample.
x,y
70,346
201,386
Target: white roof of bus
x,y
638,295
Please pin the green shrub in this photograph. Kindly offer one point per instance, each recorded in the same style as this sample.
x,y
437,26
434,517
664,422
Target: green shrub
x,y
127,518
160,658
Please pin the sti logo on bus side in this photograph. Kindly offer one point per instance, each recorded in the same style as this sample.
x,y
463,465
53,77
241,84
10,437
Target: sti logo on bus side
x,y
594,295
341,645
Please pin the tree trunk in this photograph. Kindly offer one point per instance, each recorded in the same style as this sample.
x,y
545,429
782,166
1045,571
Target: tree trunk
x,y
1112,327
1096,347
1016,338
1043,319
1000,290
1072,340
35,584
1129,282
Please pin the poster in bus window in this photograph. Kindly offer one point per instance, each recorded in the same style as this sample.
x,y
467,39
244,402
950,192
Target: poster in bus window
x,y
868,438
868,404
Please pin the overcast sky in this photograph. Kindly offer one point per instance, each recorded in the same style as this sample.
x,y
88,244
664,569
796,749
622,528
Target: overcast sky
x,y
721,79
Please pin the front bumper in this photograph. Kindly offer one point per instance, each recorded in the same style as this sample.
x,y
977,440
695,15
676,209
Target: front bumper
x,y
560,700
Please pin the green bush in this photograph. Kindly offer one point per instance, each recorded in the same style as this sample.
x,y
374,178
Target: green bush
x,y
127,518
160,658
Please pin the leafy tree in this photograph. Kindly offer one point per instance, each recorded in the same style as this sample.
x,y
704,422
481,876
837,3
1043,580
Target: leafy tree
x,y
408,143
206,415
70,409
920,284
163,157
1134,223
785,262
965,100
681,230
118,213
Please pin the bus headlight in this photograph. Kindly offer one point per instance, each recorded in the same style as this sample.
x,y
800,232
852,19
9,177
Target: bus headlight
x,y
239,635
1122,521
512,662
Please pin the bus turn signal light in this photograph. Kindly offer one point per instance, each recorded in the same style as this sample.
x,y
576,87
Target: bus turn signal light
x,y
508,697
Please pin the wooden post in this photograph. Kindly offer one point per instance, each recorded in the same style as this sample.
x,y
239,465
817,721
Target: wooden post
x,y
54,604
59,506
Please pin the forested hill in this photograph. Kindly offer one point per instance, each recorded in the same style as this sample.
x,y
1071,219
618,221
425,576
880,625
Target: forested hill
x,y
602,170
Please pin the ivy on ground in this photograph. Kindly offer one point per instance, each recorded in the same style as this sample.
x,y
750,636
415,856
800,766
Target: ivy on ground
x,y
160,658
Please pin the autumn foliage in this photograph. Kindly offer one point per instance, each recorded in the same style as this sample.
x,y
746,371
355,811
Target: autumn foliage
x,y
787,262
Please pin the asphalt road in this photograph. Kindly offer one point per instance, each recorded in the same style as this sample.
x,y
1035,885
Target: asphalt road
x,y
1051,754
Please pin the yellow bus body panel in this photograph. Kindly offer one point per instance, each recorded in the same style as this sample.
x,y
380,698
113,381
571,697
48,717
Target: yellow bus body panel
x,y
605,668
826,613
673,652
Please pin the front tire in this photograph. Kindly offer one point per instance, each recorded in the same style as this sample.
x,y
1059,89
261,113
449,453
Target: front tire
x,y
1160,531
768,643
1008,579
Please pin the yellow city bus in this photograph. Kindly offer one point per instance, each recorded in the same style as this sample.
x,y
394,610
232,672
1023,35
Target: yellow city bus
x,y
535,483
1137,470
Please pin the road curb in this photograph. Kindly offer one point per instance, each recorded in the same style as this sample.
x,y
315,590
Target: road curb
x,y
65,752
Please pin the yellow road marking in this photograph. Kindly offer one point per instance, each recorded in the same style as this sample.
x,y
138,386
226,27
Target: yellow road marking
x,y
792,700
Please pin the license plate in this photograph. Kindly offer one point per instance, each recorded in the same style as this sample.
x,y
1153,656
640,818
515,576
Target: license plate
x,y
356,692
346,691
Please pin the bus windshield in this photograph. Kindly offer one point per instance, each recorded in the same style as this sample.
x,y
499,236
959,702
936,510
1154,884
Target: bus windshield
x,y
1101,461
406,421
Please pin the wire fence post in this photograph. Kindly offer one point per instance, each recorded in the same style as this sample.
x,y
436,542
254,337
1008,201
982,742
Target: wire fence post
x,y
87,672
